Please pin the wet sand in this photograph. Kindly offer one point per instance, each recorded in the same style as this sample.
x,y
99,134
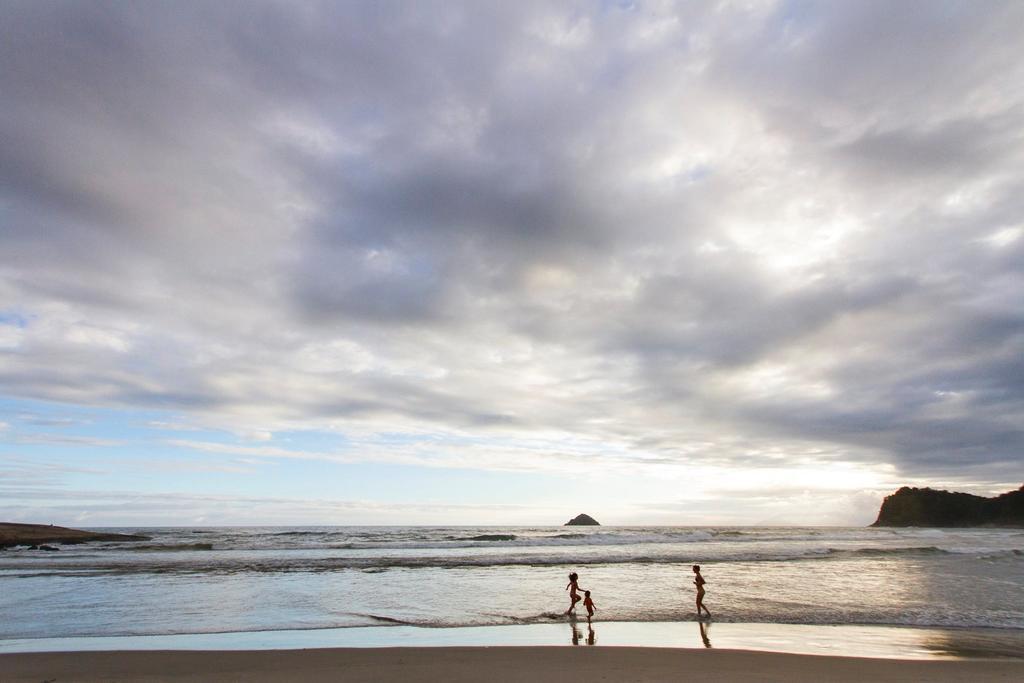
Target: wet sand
x,y
499,664
874,642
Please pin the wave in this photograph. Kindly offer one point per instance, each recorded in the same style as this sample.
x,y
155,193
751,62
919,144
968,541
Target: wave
x,y
229,563
1001,554
387,620
174,547
516,541
882,552
424,538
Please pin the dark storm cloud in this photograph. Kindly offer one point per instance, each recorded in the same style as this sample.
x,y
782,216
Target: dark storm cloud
x,y
736,228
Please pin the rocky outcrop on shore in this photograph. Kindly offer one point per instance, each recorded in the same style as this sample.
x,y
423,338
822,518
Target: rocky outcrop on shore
x,y
929,507
582,520
39,536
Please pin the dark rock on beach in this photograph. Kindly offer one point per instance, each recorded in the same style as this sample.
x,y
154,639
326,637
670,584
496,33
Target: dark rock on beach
x,y
582,520
929,507
37,536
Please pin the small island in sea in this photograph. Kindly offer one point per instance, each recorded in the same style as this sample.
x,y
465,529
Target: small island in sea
x,y
12,534
930,507
582,520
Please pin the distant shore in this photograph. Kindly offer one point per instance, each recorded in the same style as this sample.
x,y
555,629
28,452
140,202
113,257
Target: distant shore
x,y
499,664
12,535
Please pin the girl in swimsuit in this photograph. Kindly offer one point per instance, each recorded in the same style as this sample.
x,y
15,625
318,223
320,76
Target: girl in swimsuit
x,y
574,589
699,582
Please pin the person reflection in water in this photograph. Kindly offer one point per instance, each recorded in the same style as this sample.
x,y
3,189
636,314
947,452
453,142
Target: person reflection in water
x,y
704,628
699,582
576,635
574,591
591,636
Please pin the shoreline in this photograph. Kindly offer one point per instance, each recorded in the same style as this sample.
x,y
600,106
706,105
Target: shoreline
x,y
499,664
871,642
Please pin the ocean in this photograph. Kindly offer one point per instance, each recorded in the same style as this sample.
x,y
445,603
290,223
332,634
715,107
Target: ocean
x,y
249,579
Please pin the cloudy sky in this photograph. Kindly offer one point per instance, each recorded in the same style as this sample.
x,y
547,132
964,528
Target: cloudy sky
x,y
744,262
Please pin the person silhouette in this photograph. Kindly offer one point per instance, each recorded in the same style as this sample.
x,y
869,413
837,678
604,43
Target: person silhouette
x,y
574,591
699,582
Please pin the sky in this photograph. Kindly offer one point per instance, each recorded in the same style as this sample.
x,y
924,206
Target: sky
x,y
748,262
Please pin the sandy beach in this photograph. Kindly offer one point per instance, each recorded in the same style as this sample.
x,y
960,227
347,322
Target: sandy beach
x,y
527,664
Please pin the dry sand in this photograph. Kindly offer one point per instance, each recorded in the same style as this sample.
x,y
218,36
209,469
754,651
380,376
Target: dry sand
x,y
492,664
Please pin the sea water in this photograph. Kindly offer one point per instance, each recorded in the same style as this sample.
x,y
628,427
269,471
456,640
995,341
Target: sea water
x,y
248,579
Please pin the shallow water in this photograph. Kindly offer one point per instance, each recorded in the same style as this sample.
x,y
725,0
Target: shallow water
x,y
261,579
893,642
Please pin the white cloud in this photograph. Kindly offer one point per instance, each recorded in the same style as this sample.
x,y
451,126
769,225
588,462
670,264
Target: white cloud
x,y
524,235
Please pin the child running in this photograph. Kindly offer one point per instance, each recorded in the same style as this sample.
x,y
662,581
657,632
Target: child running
x,y
573,587
588,602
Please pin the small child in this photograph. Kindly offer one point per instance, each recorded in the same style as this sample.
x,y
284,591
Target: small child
x,y
589,604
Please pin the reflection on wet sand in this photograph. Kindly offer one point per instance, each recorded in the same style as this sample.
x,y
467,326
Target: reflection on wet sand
x,y
704,628
577,635
974,644
864,641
